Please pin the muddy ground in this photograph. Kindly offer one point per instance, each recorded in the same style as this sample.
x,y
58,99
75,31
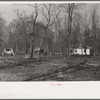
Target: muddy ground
x,y
21,68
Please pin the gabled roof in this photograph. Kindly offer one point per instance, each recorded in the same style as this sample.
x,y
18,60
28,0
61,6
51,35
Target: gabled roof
x,y
88,47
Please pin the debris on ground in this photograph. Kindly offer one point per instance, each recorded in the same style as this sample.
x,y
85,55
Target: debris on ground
x,y
53,68
60,75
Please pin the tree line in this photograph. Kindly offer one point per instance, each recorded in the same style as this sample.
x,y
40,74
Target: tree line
x,y
57,28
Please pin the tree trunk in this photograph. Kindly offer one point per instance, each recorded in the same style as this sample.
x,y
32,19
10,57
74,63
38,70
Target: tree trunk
x,y
32,48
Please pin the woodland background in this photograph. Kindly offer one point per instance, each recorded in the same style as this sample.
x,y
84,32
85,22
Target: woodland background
x,y
55,27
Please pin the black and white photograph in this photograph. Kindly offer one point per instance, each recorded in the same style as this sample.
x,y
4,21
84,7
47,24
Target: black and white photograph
x,y
49,42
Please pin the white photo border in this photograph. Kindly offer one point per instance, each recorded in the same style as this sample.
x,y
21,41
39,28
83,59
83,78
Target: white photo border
x,y
51,89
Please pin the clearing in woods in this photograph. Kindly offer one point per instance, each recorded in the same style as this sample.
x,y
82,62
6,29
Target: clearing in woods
x,y
21,68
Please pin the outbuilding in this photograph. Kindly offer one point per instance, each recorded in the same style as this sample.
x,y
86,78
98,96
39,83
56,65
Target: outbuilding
x,y
82,51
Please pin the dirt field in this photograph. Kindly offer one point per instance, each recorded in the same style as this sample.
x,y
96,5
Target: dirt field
x,y
21,68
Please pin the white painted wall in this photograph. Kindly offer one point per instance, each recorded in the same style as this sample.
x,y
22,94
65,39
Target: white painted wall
x,y
81,51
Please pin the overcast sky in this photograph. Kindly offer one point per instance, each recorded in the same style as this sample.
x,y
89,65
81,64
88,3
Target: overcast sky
x,y
8,13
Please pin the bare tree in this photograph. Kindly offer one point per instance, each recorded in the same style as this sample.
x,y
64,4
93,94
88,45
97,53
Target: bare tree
x,y
34,20
2,31
49,20
22,17
94,20
69,8
57,25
